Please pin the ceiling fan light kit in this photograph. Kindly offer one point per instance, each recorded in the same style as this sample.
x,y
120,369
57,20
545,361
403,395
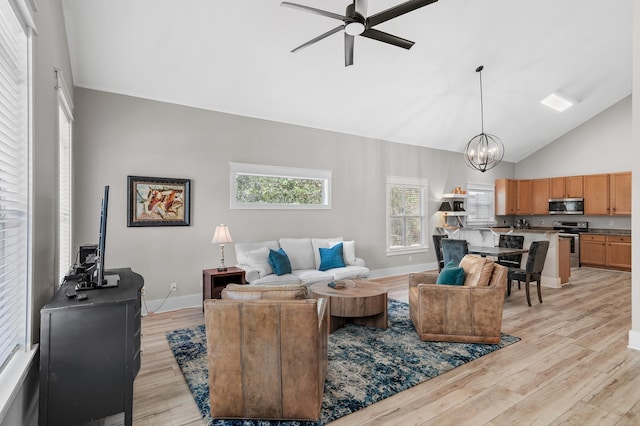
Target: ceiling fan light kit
x,y
356,23
484,151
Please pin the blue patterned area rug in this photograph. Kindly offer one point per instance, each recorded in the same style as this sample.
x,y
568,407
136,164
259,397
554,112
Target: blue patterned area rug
x,y
366,365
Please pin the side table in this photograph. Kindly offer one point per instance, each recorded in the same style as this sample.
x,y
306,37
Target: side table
x,y
213,281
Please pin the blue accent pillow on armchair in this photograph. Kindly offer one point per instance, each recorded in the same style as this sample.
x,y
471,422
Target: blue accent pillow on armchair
x,y
331,258
451,275
279,262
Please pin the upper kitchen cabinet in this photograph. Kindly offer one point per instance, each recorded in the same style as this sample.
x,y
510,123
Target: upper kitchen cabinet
x,y
596,194
540,196
620,193
524,201
506,195
566,187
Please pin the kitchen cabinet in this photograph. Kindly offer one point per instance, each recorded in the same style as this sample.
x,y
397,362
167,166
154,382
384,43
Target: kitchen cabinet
x,y
593,250
524,197
564,259
620,193
506,197
566,187
619,252
540,196
596,194
608,251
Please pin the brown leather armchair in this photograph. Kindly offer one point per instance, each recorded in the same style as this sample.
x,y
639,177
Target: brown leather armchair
x,y
267,358
468,313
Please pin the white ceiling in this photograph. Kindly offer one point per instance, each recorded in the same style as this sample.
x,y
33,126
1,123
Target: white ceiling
x,y
234,56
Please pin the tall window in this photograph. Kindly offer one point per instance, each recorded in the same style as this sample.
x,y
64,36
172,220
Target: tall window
x,y
480,204
255,186
65,119
406,220
14,182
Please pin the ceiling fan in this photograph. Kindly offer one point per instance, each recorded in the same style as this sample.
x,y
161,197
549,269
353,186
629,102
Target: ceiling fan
x,y
356,22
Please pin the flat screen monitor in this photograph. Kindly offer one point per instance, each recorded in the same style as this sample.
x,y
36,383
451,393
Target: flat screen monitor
x,y
97,277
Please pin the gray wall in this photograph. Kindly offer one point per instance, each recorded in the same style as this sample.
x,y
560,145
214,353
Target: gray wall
x,y
117,135
49,52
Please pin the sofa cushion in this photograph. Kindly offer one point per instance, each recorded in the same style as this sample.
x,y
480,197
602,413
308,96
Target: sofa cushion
x,y
300,252
318,243
254,292
276,280
258,259
312,276
243,248
349,272
477,270
451,275
331,258
279,261
348,251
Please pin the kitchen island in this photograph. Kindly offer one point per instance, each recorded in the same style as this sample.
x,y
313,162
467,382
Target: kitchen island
x,y
551,274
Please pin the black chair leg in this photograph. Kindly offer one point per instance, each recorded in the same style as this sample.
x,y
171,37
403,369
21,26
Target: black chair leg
x,y
526,284
539,291
509,288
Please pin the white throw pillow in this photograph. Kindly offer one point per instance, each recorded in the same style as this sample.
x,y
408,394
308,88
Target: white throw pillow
x,y
348,251
299,251
259,260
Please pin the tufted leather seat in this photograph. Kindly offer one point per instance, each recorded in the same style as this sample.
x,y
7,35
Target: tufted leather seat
x,y
468,313
267,358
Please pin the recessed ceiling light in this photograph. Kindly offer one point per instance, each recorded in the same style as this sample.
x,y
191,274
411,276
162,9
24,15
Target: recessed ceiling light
x,y
557,102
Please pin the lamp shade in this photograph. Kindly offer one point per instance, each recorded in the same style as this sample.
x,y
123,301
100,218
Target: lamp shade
x,y
445,207
221,235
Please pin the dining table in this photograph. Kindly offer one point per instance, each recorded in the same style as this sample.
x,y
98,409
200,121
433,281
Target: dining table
x,y
493,251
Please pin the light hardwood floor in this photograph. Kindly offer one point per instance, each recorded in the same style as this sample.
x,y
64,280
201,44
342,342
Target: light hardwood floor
x,y
572,366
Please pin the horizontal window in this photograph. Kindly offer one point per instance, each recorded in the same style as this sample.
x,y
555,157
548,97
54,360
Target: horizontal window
x,y
255,186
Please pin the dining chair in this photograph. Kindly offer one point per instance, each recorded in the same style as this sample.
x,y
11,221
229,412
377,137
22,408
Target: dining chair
x,y
453,250
437,246
533,270
510,241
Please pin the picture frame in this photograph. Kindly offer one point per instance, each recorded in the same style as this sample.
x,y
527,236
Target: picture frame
x,y
158,201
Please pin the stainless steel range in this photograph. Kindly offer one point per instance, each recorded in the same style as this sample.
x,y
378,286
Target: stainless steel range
x,y
572,231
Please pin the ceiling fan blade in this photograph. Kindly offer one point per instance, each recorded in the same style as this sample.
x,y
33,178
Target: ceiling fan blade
x,y
361,6
387,38
313,10
320,37
348,49
398,10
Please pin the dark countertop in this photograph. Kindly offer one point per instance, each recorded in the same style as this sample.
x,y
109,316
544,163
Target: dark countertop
x,y
538,230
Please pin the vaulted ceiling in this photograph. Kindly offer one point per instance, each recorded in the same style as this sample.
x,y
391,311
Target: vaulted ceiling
x,y
234,57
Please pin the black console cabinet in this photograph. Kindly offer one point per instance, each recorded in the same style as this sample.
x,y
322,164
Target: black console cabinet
x,y
90,352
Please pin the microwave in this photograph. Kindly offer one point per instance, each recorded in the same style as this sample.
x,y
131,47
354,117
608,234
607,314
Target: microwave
x,y
566,206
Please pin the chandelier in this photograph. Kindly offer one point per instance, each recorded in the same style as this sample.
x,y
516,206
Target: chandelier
x,y
483,151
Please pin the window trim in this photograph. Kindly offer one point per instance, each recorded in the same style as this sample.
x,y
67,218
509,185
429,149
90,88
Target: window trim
x,y
487,187
65,106
423,185
236,169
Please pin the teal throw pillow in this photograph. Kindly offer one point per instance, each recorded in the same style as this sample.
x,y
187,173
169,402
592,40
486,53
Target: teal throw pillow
x,y
451,275
331,258
279,262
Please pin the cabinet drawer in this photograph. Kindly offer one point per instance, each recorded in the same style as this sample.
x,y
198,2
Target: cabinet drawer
x,y
619,239
593,237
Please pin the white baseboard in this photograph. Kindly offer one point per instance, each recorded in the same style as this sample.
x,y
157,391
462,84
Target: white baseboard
x,y
171,304
634,340
399,270
195,300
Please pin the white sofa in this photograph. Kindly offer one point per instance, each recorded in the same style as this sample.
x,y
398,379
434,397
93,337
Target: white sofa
x,y
304,256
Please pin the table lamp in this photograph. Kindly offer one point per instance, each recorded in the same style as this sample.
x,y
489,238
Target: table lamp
x,y
221,236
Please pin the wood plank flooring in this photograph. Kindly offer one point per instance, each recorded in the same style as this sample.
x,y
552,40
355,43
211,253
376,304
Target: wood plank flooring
x,y
572,366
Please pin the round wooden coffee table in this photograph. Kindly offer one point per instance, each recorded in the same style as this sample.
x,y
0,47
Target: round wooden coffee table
x,y
360,302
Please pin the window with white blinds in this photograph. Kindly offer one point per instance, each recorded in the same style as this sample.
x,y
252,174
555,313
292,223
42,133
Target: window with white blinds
x,y
480,204
406,219
14,182
65,251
